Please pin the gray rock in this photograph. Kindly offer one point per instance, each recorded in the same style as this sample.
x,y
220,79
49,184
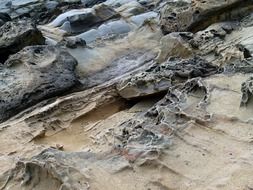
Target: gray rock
x,y
117,3
181,16
63,170
247,91
160,77
139,19
118,68
150,133
34,74
90,3
81,20
108,30
130,9
16,35
4,17
41,11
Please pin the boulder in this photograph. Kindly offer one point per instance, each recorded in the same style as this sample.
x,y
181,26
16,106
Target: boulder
x,y
33,74
16,35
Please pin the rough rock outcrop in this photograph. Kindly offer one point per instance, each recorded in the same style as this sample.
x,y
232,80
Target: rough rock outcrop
x,y
161,77
16,35
151,133
179,120
33,74
199,14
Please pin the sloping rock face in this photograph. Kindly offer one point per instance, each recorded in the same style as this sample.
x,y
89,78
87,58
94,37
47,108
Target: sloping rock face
x,y
161,77
16,35
33,74
199,14
163,97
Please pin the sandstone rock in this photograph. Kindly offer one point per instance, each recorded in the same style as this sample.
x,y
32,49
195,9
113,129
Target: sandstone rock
x,y
120,68
130,9
33,74
160,77
16,35
172,45
200,14
150,133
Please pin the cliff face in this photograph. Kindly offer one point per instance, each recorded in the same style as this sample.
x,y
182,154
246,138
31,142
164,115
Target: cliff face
x,y
126,94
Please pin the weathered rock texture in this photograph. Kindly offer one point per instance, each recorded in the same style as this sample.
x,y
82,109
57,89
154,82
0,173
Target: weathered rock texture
x,y
33,74
200,14
16,35
160,77
150,111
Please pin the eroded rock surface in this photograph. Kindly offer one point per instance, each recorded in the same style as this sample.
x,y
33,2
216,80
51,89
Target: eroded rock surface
x,y
160,77
16,35
33,74
198,14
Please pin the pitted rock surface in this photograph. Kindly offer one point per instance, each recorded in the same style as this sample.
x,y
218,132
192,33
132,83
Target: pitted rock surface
x,y
33,74
15,35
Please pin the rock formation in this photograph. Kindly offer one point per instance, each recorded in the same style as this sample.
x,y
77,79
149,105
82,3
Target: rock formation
x,y
126,94
16,35
33,74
